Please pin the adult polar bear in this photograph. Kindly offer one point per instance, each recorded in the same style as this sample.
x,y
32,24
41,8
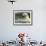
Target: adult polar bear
x,y
27,17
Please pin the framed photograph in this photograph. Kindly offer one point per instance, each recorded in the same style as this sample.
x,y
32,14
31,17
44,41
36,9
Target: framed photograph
x,y
22,17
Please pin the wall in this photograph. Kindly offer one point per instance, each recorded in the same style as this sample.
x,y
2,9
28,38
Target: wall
x,y
37,31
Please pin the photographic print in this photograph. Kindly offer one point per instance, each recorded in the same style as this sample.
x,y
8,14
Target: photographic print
x,y
22,17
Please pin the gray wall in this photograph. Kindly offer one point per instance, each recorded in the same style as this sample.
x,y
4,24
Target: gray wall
x,y
37,31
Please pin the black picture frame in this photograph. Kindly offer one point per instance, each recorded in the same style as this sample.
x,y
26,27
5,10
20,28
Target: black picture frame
x,y
22,17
